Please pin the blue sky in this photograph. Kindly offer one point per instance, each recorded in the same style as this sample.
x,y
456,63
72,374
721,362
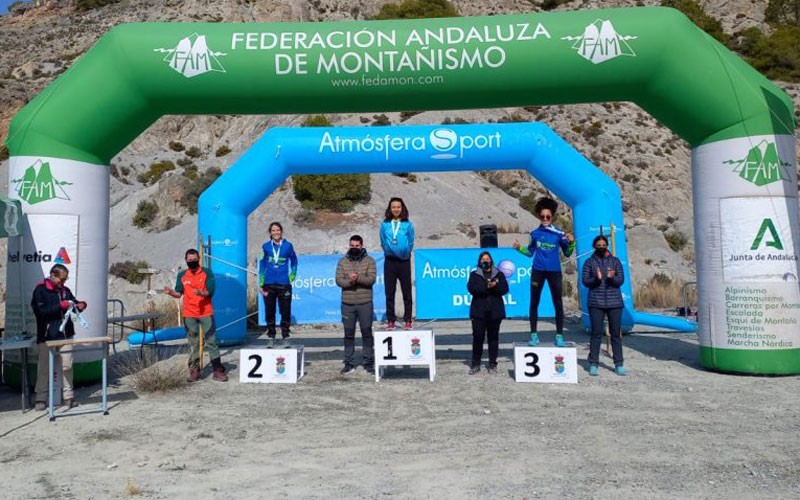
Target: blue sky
x,y
4,5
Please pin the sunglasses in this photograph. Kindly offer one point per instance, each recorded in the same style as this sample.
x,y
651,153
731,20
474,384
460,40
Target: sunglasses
x,y
545,217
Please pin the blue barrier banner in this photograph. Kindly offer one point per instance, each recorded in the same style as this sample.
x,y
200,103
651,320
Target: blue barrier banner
x,y
316,298
441,277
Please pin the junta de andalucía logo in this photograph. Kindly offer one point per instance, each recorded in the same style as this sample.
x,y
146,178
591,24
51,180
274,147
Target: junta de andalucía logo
x,y
37,184
192,57
600,42
762,165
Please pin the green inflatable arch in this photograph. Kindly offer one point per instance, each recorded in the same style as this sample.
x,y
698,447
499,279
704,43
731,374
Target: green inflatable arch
x,y
738,123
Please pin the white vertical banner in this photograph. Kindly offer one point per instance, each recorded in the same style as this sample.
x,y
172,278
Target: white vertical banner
x,y
66,209
746,245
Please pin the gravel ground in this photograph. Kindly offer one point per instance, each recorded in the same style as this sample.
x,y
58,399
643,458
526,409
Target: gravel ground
x,y
668,430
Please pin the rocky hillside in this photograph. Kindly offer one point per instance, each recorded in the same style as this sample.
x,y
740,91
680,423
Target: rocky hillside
x,y
40,40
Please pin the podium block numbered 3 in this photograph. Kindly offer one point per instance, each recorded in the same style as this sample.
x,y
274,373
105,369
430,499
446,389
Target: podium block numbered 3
x,y
550,365
405,348
272,366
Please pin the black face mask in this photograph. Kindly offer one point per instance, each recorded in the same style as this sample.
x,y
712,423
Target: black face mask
x,y
485,265
356,253
600,252
193,265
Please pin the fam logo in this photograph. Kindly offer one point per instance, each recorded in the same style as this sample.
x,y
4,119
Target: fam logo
x,y
38,184
559,367
280,365
600,42
62,257
416,348
192,57
762,165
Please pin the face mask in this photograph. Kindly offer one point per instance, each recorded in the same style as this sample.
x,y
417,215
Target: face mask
x,y
485,265
193,265
354,253
600,252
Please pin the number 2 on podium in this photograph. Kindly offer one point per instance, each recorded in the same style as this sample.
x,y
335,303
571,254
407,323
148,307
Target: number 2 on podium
x,y
254,372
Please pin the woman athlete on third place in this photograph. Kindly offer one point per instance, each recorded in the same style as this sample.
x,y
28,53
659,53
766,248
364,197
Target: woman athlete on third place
x,y
545,242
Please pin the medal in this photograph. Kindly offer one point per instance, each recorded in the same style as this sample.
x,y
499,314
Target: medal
x,y
395,230
275,255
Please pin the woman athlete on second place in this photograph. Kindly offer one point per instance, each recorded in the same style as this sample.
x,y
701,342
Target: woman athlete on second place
x,y
397,241
545,242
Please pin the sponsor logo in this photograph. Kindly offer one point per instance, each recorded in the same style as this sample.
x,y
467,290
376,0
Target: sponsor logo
x,y
762,165
280,365
37,184
775,241
192,57
416,348
62,257
600,42
441,143
559,367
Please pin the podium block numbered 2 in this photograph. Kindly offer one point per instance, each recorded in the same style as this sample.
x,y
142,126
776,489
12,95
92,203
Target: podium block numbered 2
x,y
271,366
405,348
550,365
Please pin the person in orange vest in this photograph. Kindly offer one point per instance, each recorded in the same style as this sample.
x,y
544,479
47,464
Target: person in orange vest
x,y
196,285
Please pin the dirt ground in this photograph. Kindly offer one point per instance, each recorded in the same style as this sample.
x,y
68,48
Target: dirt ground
x,y
668,430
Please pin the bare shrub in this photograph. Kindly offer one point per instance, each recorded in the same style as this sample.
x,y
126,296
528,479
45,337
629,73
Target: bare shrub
x,y
661,292
508,228
147,374
131,490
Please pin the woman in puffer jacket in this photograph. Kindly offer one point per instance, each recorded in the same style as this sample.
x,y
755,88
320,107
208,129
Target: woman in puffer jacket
x,y
603,276
487,286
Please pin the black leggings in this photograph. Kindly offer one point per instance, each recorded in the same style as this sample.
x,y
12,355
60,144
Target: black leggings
x,y
482,329
553,279
393,270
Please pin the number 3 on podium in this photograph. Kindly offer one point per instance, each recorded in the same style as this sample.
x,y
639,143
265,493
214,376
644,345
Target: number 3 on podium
x,y
531,360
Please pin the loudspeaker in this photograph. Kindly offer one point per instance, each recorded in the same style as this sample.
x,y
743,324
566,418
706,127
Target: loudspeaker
x,y
488,236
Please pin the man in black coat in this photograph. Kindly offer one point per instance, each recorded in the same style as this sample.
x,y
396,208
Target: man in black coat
x,y
51,302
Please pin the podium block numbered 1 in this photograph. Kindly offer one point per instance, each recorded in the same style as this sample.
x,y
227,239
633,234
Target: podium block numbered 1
x,y
549,365
271,366
405,348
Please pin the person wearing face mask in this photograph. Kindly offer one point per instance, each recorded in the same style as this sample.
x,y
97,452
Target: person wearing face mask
x,y
603,276
545,243
356,274
487,286
397,242
196,286
50,303
276,272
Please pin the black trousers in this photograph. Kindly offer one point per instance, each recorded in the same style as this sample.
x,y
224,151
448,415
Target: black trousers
x,y
393,270
482,329
282,295
553,279
596,316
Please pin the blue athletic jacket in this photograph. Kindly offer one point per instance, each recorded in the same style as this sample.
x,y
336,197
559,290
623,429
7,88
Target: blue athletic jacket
x,y
280,273
544,245
405,240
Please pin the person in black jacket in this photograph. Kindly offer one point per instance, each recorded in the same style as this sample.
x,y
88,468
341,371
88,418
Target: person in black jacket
x,y
487,286
51,301
603,276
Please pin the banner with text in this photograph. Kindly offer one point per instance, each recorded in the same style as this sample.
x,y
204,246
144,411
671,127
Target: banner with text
x,y
441,277
316,298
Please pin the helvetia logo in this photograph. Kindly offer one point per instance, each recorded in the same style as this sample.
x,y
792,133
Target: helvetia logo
x,y
36,187
762,165
600,42
192,57
62,257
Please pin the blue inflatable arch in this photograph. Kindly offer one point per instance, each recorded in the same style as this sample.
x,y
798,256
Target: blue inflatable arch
x,y
281,152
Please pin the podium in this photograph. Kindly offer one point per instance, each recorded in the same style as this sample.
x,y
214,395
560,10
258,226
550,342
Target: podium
x,y
545,364
405,348
272,366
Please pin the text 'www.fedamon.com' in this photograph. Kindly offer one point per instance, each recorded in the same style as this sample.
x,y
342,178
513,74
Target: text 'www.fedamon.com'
x,y
386,81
